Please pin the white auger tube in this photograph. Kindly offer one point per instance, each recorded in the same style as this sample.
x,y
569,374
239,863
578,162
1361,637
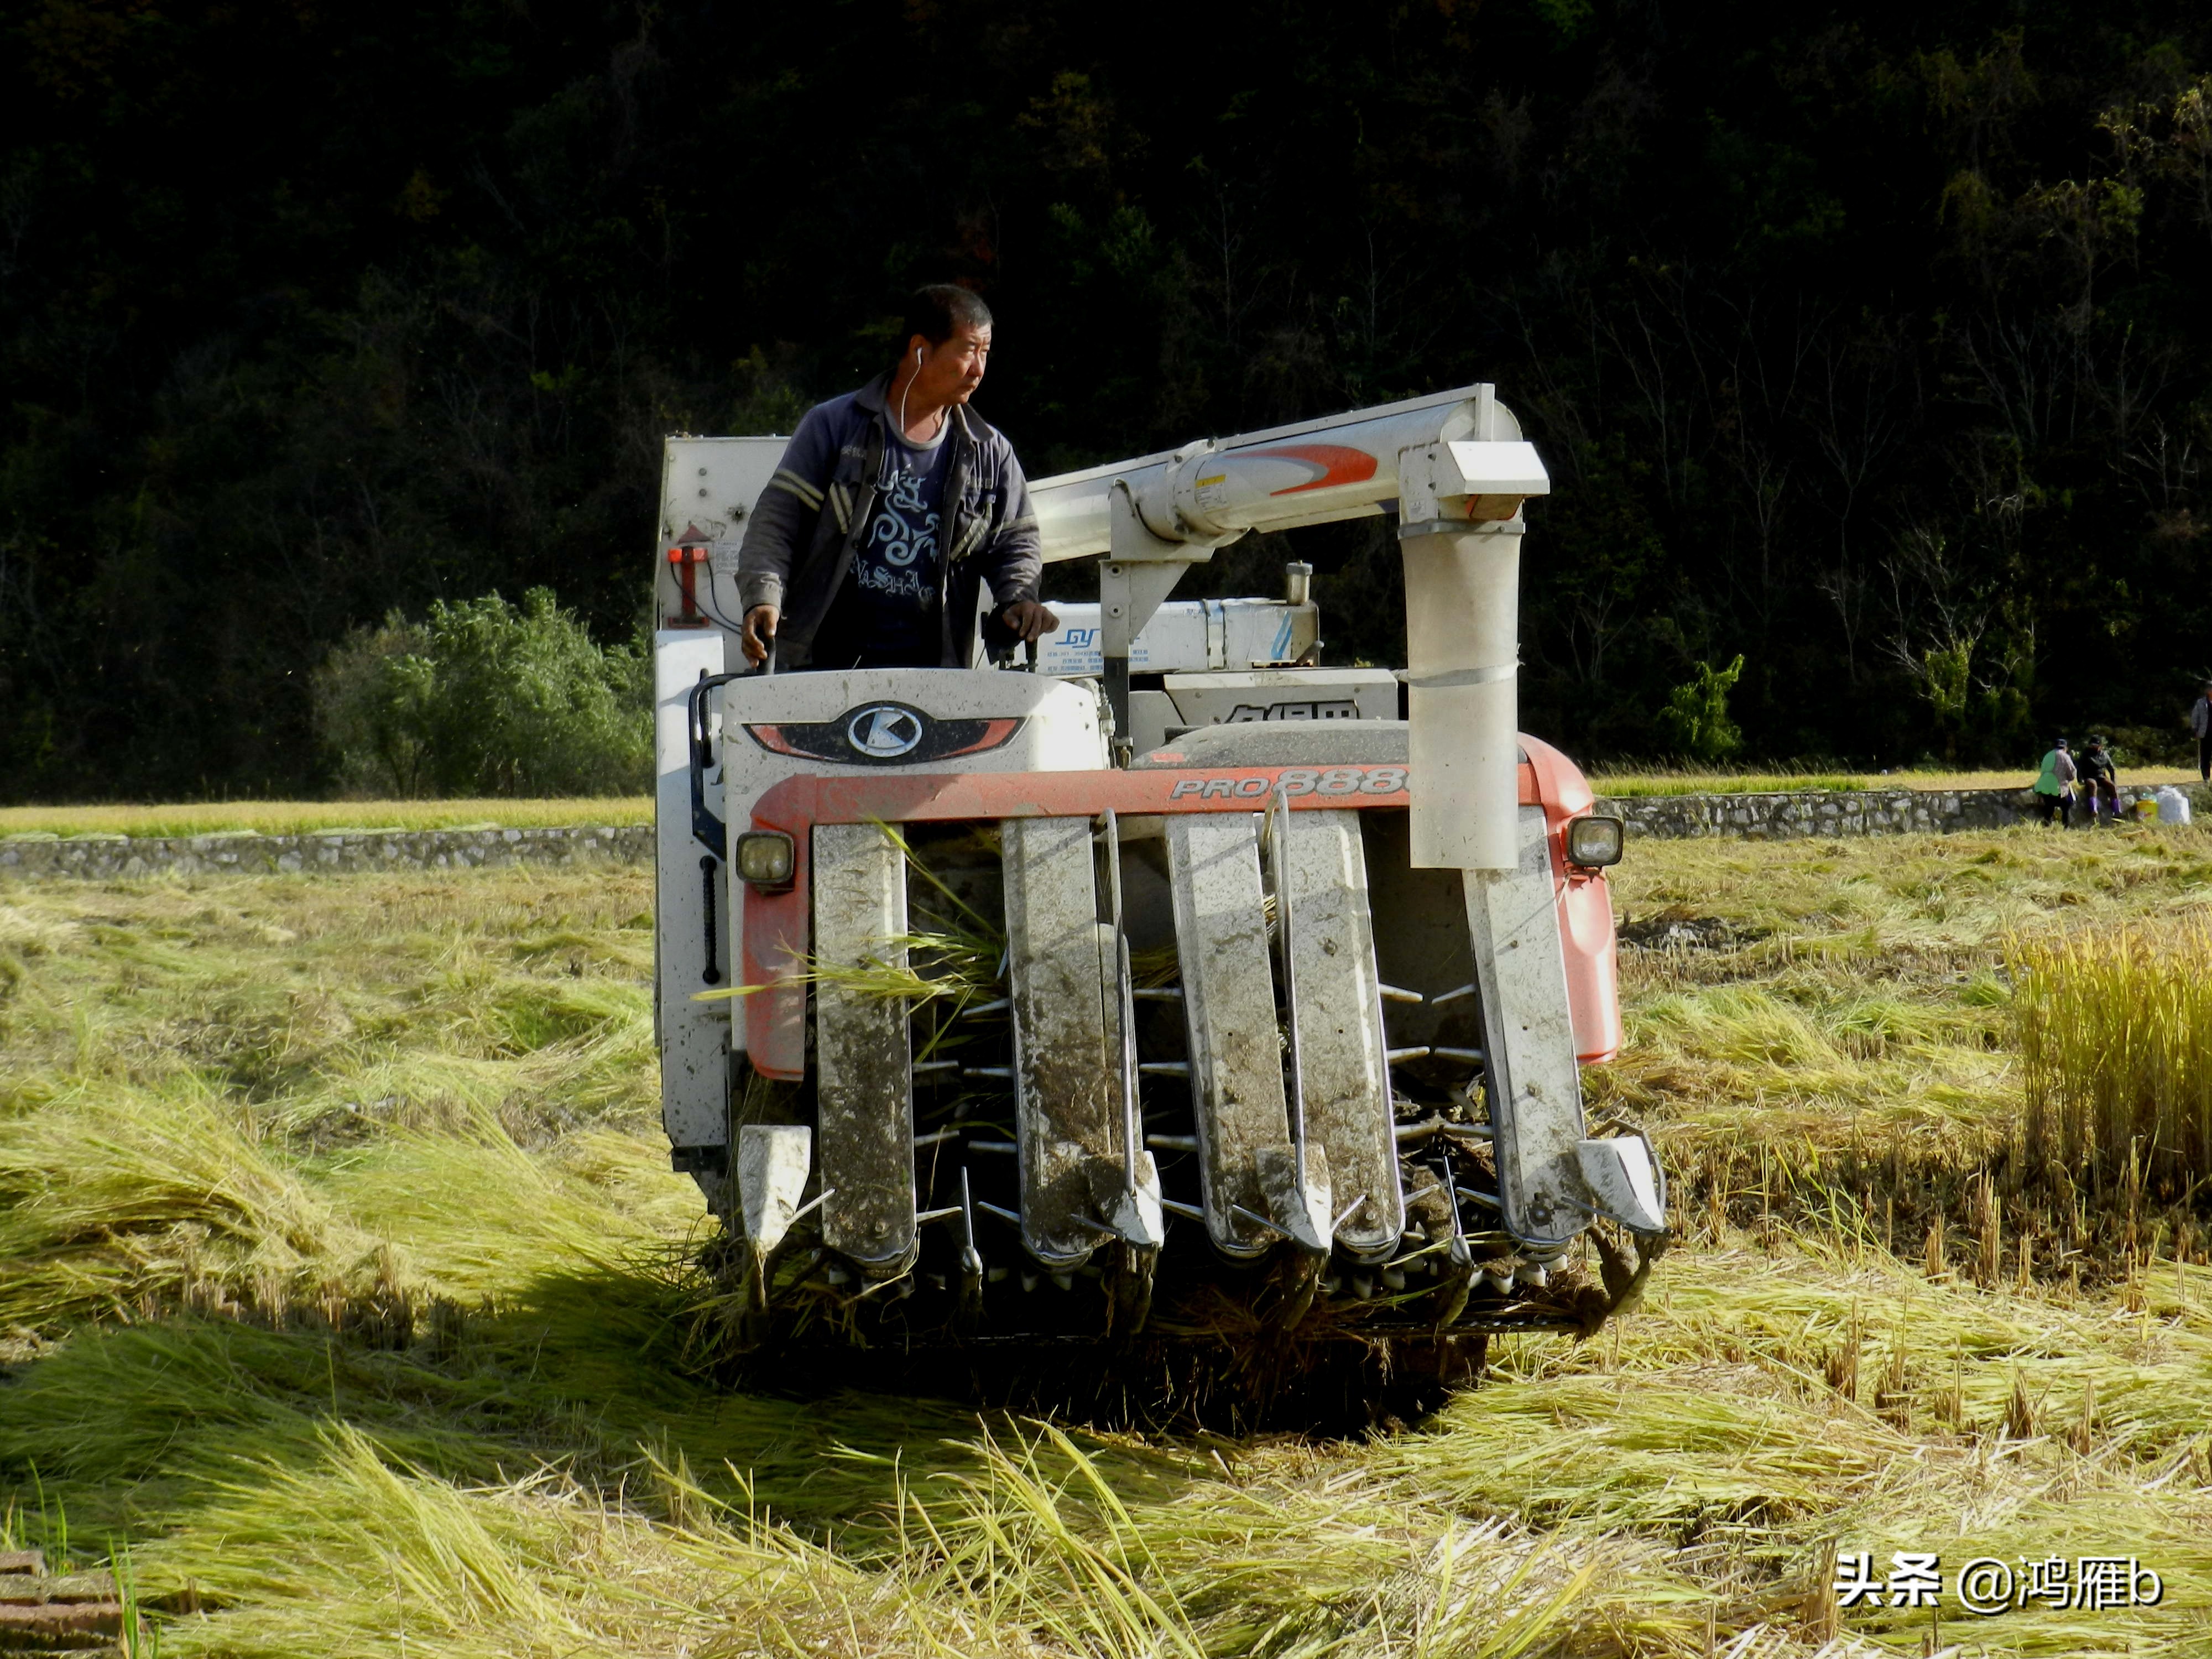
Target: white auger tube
x,y
1206,493
1462,602
1455,468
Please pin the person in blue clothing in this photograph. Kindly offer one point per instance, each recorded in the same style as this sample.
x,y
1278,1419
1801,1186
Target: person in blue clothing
x,y
894,509
2100,783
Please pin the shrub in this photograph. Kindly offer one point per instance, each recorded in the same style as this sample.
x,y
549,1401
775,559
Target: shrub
x,y
1696,718
484,698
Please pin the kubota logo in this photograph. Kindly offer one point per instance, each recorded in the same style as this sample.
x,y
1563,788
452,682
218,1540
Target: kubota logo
x,y
884,731
885,734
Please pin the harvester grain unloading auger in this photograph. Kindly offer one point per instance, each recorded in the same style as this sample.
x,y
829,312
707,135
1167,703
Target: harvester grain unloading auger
x,y
1174,989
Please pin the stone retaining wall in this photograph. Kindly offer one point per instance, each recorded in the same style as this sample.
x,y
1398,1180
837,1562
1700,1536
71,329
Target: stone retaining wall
x,y
100,857
1851,813
1753,817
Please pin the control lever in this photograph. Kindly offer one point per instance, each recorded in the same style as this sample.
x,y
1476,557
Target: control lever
x,y
705,828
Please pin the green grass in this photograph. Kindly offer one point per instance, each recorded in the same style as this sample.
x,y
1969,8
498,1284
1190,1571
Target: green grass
x,y
339,1284
270,817
1624,786
282,818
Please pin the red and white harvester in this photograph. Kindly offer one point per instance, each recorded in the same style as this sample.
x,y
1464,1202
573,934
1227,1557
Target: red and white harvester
x,y
1165,989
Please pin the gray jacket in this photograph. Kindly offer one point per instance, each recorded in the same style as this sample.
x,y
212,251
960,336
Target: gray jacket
x,y
798,542
2200,717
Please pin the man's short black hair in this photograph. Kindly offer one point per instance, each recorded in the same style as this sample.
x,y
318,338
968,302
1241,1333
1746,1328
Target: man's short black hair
x,y
935,312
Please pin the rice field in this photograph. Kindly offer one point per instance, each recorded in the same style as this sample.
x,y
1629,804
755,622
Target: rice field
x,y
343,1291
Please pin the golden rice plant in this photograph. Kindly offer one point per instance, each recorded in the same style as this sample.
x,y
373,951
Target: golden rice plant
x,y
2115,1030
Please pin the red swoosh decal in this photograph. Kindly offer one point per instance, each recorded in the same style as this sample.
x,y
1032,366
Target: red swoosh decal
x,y
993,734
1338,464
771,738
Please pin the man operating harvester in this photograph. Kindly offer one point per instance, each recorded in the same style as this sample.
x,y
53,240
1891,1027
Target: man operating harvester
x,y
893,505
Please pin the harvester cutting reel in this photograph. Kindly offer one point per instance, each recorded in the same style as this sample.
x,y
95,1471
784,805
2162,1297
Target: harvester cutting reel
x,y
1184,1101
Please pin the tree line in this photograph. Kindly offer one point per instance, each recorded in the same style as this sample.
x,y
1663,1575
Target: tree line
x,y
1872,346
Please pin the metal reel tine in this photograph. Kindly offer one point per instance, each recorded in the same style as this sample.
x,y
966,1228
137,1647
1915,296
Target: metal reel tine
x,y
1279,839
1259,1220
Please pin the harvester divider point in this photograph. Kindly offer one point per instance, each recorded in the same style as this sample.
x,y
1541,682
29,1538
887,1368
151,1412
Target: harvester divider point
x,y
1006,1148
1396,1055
1490,1198
1396,993
1472,1056
1453,996
1003,1213
1002,1072
1188,1212
936,1137
1157,993
1165,1068
920,1065
998,1007
1172,1143
945,1214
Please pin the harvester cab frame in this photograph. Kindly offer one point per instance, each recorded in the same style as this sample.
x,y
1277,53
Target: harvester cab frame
x,y
1166,984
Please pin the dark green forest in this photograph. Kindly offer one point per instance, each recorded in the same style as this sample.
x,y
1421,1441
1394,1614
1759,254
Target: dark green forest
x,y
1874,344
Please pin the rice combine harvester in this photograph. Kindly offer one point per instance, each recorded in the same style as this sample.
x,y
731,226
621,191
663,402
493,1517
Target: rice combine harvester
x,y
1164,991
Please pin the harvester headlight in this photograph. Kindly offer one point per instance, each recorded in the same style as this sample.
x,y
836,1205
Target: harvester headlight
x,y
766,857
1595,842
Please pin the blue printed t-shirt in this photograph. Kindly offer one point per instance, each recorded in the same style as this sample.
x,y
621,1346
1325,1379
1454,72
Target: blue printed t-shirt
x,y
886,615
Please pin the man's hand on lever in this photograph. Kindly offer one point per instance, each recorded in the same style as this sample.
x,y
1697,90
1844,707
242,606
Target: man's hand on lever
x,y
1027,620
759,634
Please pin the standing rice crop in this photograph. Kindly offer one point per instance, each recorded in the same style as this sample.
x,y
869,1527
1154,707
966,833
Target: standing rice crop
x,y
2115,1032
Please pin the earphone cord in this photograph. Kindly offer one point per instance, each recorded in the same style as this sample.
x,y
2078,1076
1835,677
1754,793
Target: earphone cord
x,y
908,392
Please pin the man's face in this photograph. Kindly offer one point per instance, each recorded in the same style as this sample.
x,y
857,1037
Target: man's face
x,y
950,372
